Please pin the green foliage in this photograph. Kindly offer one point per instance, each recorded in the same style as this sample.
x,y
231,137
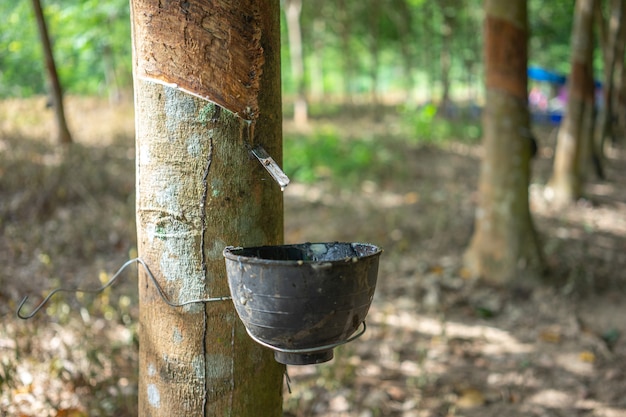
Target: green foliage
x,y
323,155
345,44
91,45
328,155
19,50
7,373
425,122
427,126
551,29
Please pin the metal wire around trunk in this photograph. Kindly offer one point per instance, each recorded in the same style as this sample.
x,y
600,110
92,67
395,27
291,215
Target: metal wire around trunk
x,y
114,278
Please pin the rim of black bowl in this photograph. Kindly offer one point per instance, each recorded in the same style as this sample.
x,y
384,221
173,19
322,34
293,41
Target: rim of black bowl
x,y
251,259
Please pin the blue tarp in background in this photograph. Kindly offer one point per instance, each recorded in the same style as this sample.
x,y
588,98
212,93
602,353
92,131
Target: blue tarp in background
x,y
540,74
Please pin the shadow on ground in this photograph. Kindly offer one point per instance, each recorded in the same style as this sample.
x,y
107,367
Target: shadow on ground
x,y
438,343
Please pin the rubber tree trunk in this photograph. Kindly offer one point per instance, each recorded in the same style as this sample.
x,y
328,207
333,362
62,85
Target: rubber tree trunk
x,y
430,53
400,14
199,190
445,58
504,246
56,93
619,103
293,9
316,61
345,20
613,53
375,12
574,139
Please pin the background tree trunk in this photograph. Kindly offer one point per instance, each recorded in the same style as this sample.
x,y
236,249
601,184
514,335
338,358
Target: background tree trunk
x,y
199,190
110,75
345,21
56,93
574,138
619,103
430,53
293,9
375,10
400,14
316,70
613,53
445,58
504,245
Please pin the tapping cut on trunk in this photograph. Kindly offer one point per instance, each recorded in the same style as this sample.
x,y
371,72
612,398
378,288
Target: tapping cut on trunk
x,y
213,52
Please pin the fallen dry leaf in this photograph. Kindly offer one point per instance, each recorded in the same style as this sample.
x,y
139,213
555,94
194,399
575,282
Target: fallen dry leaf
x,y
411,198
70,412
550,336
587,356
470,398
437,270
465,273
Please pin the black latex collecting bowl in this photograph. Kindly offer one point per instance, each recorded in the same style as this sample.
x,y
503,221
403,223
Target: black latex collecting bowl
x,y
301,299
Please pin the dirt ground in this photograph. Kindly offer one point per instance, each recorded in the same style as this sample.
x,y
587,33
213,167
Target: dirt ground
x,y
438,343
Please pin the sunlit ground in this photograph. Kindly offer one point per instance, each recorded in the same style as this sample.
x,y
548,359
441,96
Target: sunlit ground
x,y
437,344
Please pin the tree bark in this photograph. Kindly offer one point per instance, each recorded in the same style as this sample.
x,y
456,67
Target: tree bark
x,y
504,247
574,139
445,57
293,9
345,18
619,103
56,92
374,15
400,14
613,52
430,53
316,67
199,190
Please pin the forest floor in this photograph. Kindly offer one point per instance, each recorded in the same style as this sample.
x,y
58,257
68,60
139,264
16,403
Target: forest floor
x,y
438,343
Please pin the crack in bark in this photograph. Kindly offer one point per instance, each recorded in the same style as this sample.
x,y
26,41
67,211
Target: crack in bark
x,y
217,111
205,186
205,191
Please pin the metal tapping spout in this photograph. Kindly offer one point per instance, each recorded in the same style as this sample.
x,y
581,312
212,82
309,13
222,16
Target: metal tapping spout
x,y
271,166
